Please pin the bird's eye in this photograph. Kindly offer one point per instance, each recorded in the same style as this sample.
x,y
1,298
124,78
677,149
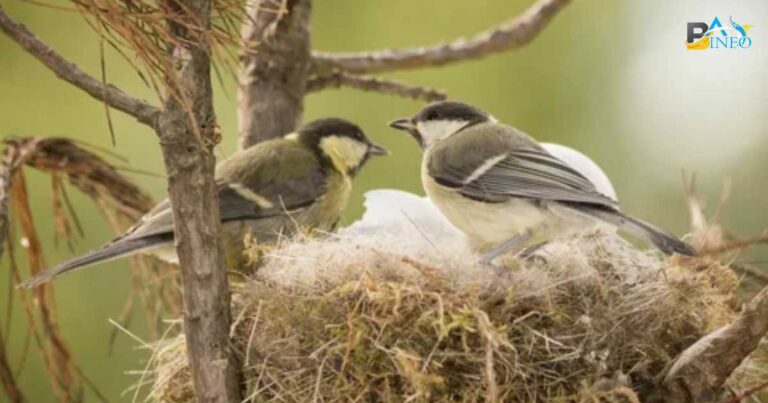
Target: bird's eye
x,y
431,115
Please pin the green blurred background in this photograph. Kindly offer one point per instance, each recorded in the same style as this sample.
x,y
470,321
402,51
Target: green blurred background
x,y
610,78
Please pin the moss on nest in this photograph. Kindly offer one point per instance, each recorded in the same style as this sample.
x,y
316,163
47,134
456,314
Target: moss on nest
x,y
331,320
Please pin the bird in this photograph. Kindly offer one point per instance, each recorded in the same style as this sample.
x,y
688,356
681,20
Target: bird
x,y
743,30
301,181
504,190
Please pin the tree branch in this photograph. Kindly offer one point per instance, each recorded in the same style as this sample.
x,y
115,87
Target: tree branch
x,y
187,136
69,72
273,69
511,34
375,84
698,374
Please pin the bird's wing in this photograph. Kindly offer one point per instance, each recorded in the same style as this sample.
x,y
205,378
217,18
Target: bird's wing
x,y
272,183
280,176
508,164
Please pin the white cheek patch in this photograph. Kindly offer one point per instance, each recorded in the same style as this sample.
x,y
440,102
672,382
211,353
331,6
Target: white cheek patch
x,y
435,130
345,153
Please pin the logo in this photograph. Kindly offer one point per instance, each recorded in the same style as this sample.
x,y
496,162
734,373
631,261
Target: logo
x,y
715,35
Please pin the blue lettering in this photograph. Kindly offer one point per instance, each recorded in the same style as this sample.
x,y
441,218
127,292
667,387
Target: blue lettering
x,y
745,42
717,41
739,40
717,24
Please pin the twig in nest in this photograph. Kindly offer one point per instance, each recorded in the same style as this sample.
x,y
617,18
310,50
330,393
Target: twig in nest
x,y
68,71
701,370
736,245
511,34
366,83
743,396
750,271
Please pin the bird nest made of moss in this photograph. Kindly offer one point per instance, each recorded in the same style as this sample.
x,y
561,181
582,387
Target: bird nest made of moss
x,y
382,312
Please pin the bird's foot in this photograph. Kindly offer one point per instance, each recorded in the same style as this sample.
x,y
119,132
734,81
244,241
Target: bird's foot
x,y
530,254
504,247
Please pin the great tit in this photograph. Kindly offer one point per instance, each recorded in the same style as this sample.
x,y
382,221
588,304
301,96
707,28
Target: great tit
x,y
504,190
275,188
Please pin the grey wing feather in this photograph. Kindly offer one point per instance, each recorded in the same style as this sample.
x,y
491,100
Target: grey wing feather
x,y
288,197
232,206
534,173
110,251
526,172
665,242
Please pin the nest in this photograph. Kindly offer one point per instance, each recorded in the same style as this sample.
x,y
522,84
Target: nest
x,y
377,316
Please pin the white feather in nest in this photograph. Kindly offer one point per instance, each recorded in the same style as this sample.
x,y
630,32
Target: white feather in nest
x,y
398,223
406,215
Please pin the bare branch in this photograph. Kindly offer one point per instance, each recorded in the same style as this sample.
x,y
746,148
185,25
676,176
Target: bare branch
x,y
511,34
8,166
69,72
273,69
701,370
375,84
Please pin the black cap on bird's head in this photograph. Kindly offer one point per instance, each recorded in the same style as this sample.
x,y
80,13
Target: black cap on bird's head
x,y
340,143
439,120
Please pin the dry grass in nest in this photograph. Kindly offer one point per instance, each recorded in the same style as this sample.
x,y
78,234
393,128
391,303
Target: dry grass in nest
x,y
351,319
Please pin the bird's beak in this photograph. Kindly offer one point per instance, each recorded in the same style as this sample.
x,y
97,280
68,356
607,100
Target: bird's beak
x,y
402,124
375,149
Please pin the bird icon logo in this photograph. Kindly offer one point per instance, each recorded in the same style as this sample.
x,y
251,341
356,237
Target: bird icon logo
x,y
743,30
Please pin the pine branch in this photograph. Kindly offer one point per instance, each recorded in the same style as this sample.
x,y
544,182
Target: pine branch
x,y
69,72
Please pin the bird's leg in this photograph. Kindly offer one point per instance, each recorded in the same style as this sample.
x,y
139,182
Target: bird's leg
x,y
528,252
505,247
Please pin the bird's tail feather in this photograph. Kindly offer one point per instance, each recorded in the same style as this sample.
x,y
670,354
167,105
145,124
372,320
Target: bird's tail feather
x,y
111,251
663,241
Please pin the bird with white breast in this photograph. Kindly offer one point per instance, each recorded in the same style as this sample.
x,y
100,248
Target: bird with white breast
x,y
505,191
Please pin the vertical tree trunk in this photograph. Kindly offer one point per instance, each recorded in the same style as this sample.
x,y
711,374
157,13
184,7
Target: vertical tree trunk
x,y
189,162
274,69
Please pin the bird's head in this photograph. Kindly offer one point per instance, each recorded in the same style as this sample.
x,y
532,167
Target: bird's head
x,y
439,120
340,144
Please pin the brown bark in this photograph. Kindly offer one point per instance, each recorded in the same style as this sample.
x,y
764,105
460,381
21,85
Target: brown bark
x,y
7,170
189,118
273,70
